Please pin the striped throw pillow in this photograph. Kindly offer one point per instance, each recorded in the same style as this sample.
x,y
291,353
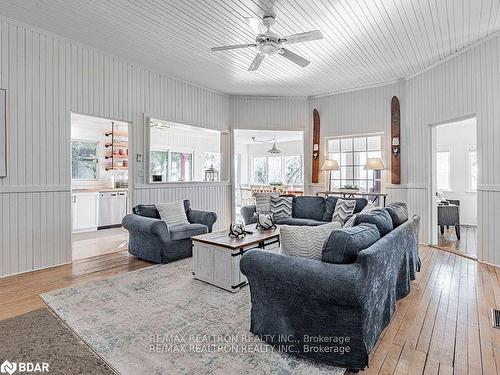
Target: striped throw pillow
x,y
343,209
172,213
281,207
305,241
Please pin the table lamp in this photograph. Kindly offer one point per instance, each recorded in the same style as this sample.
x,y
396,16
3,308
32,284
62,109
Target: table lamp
x,y
374,164
330,165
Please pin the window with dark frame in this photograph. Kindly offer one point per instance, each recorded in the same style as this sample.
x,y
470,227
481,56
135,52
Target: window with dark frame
x,y
351,154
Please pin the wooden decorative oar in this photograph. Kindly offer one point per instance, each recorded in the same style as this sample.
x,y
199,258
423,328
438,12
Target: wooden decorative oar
x,y
395,141
316,140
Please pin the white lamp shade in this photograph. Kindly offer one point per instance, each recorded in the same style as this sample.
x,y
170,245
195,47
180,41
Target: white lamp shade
x,y
374,164
330,165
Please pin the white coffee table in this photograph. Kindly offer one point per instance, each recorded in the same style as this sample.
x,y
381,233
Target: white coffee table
x,y
216,256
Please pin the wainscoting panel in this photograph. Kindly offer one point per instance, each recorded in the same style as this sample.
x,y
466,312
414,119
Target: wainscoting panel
x,y
214,197
35,230
47,77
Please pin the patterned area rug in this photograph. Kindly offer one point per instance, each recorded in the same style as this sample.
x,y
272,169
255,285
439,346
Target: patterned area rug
x,y
159,320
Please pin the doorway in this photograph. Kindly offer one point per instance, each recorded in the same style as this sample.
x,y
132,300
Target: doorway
x,y
266,161
454,186
99,185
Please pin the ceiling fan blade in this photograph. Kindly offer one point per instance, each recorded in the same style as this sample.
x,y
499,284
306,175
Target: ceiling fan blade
x,y
236,46
256,62
256,25
302,37
299,60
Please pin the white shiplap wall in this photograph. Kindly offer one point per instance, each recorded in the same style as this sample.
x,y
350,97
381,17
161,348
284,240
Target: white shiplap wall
x,y
468,84
48,77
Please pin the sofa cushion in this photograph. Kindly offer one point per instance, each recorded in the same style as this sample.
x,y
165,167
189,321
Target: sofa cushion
x,y
146,210
344,245
281,207
183,231
300,222
398,212
305,241
343,210
307,207
330,203
150,210
172,212
378,216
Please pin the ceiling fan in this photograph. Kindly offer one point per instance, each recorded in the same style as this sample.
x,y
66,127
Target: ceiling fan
x,y
269,43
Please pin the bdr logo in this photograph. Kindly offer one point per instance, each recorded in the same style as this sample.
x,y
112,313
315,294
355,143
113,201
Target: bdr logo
x,y
11,367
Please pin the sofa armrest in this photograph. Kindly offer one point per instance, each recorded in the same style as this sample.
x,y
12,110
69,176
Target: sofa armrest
x,y
302,279
142,225
202,217
248,214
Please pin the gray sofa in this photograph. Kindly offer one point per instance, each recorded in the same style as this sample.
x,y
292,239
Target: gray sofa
x,y
353,298
152,239
306,210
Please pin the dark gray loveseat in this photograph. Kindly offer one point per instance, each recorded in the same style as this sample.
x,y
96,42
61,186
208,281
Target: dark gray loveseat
x,y
296,298
152,239
306,210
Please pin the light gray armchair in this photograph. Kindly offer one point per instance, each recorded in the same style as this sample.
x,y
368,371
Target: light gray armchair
x,y
152,239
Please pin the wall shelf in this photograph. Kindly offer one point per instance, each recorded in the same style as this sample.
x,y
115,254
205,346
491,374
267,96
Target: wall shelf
x,y
116,144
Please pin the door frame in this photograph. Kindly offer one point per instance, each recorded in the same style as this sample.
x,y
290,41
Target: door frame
x,y
232,153
432,175
131,165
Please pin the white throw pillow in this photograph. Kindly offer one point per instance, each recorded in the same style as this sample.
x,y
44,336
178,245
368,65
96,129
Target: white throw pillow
x,y
305,241
173,212
343,209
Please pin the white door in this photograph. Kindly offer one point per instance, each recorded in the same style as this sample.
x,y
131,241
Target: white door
x,y
85,211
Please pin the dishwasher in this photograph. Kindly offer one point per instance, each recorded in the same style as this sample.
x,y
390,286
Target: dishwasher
x,y
112,209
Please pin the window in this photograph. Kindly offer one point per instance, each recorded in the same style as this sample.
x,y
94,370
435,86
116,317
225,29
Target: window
x,y
260,171
211,159
443,167
278,170
472,168
351,154
84,162
293,170
183,153
181,166
166,165
159,165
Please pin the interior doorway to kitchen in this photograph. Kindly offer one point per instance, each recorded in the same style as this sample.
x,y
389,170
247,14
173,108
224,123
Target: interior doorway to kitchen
x,y
99,185
454,185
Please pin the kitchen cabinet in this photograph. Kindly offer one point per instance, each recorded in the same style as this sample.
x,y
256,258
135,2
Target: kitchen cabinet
x,y
85,211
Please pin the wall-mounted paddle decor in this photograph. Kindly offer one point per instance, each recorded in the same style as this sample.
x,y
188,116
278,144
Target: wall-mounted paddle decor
x,y
395,141
3,133
316,140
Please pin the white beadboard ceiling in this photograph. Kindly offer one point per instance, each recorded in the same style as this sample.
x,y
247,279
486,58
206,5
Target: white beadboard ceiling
x,y
366,42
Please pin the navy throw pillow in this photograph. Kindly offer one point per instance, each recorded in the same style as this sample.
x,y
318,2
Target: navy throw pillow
x,y
344,245
398,212
378,216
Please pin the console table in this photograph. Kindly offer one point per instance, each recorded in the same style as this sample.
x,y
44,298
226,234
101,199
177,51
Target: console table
x,y
349,194
216,256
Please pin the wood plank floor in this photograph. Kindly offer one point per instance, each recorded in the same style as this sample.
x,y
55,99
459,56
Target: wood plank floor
x,y
441,327
466,245
100,242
